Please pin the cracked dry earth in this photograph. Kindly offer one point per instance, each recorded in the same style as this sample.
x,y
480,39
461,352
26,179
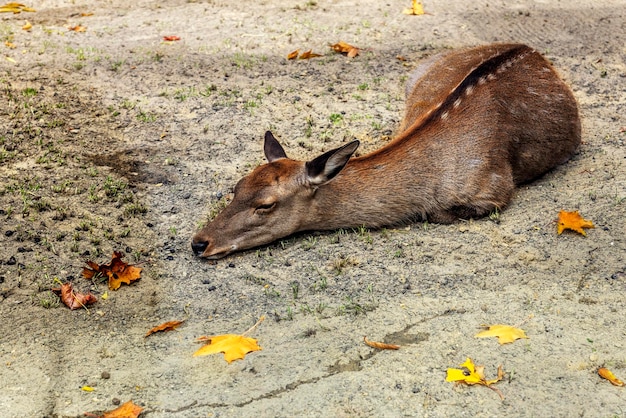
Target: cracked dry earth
x,y
113,140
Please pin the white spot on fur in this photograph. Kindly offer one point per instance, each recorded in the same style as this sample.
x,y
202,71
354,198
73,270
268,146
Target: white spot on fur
x,y
444,116
469,90
491,77
457,103
482,80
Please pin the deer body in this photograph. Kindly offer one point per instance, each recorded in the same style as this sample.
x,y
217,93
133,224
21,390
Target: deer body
x,y
478,122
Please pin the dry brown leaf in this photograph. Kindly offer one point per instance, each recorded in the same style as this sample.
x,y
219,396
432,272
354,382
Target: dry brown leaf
x,y
77,28
573,221
116,271
74,300
166,326
86,14
345,48
308,54
293,55
380,346
608,375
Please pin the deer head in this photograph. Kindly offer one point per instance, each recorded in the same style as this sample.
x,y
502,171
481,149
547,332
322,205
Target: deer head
x,y
272,202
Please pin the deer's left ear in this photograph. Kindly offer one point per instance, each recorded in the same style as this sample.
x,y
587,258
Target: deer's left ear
x,y
326,167
273,150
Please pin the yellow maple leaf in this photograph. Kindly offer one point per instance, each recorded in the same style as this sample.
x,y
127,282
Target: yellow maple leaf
x,y
234,347
416,9
15,8
505,333
573,221
473,375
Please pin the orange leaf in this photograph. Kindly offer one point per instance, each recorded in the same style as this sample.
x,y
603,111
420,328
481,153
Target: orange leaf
x,y
293,55
126,410
234,347
380,346
86,14
74,300
608,375
27,26
345,48
77,28
308,54
171,38
117,271
573,221
166,326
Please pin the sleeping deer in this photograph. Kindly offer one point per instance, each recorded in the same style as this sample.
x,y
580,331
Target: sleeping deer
x,y
478,122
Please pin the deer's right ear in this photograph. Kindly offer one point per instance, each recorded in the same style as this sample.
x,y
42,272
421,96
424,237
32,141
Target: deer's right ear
x,y
325,167
273,150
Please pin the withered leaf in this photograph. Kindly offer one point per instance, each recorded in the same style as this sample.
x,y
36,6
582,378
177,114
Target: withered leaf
x,y
116,271
293,55
171,38
166,326
608,375
505,333
27,26
77,28
308,55
74,300
234,347
573,221
379,345
345,48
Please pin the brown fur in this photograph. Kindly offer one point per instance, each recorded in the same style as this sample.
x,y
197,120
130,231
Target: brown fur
x,y
478,122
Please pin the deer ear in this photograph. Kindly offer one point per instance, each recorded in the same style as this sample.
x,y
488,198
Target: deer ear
x,y
273,150
325,167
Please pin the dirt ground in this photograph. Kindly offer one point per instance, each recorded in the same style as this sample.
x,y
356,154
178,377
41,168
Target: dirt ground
x,y
113,140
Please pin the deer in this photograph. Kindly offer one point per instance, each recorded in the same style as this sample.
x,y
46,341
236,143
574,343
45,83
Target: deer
x,y
479,122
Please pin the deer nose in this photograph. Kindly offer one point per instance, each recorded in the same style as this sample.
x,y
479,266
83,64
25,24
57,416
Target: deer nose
x,y
199,247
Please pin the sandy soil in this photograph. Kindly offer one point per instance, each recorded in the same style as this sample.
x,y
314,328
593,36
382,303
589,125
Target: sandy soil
x,y
111,139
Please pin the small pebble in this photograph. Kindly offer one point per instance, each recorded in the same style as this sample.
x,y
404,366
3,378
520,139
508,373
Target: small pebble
x,y
105,375
115,401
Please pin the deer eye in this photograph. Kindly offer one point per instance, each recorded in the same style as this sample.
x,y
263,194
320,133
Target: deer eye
x,y
264,208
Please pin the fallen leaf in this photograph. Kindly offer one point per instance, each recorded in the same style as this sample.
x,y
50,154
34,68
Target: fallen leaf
x,y
126,410
474,375
166,326
9,44
505,333
293,55
417,8
573,221
234,347
87,389
608,375
308,55
380,346
27,26
171,38
345,48
77,28
15,8
74,300
116,271
86,14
